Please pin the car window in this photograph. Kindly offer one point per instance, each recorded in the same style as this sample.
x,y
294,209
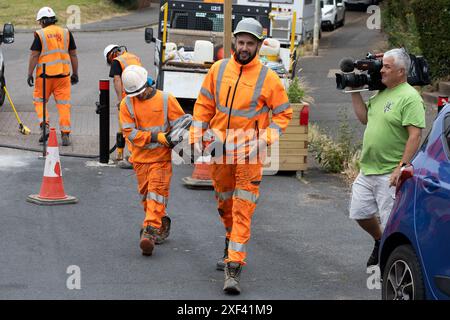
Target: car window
x,y
328,2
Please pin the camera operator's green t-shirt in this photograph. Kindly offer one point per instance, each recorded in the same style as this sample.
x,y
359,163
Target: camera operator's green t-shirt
x,y
388,114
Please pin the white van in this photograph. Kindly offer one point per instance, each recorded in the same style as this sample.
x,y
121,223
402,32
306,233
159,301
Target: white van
x,y
282,12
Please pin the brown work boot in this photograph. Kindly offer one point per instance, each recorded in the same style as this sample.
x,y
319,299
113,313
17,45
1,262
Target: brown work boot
x,y
47,133
147,242
164,231
65,138
220,265
232,278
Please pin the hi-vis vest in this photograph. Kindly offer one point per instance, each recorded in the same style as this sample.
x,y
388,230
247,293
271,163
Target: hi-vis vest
x,y
127,59
55,51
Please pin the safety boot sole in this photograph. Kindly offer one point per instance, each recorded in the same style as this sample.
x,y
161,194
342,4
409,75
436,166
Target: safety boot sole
x,y
231,286
220,265
147,246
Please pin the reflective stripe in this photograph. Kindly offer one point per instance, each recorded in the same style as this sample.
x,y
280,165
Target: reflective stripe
x,y
128,125
236,246
206,93
245,195
53,51
165,108
247,113
243,113
152,129
66,36
273,125
222,67
200,124
43,39
258,87
157,198
39,65
129,106
224,195
62,101
281,108
39,99
132,135
65,128
123,61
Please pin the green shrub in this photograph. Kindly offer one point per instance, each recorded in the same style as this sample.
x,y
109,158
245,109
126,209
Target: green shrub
x,y
422,27
298,91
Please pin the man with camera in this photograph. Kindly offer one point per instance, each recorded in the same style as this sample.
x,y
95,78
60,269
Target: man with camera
x,y
395,117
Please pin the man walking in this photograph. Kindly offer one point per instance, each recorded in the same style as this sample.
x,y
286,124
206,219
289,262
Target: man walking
x,y
55,47
146,115
237,94
395,118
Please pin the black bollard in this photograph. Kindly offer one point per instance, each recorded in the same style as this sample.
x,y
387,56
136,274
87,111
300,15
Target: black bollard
x,y
103,111
44,111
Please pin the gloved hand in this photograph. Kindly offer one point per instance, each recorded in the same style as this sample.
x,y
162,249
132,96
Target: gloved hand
x,y
30,80
162,139
74,79
196,150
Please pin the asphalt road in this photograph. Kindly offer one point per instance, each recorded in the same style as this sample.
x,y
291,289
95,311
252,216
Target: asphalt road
x,y
303,245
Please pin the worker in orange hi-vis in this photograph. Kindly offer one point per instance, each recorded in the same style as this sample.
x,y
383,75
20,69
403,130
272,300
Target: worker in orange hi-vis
x,y
238,94
147,115
118,58
55,47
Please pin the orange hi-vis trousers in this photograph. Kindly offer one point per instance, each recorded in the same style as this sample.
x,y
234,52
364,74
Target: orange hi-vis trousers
x,y
60,88
153,185
237,192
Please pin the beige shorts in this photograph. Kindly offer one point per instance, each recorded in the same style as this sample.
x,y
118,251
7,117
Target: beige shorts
x,y
372,196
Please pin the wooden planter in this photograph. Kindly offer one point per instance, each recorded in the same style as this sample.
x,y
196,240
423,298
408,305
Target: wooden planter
x,y
294,143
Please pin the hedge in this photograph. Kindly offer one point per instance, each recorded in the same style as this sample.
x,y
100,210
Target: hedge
x,y
423,28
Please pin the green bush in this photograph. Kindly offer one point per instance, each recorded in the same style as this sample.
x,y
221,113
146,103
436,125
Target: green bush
x,y
129,4
422,27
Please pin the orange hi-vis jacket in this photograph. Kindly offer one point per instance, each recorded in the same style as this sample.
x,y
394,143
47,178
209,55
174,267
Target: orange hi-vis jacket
x,y
127,59
55,51
143,120
235,96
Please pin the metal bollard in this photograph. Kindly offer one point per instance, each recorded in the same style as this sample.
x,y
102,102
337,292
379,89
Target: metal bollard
x,y
44,111
103,111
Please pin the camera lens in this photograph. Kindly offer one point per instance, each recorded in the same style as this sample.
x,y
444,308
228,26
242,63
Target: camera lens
x,y
351,80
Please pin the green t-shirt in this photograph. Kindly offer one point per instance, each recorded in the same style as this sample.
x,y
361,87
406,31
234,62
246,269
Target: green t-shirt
x,y
388,114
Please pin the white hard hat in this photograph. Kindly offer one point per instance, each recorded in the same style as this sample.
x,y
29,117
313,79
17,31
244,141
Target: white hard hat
x,y
134,79
45,12
108,49
249,25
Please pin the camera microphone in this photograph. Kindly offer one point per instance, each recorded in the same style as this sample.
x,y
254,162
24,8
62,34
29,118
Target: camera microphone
x,y
347,65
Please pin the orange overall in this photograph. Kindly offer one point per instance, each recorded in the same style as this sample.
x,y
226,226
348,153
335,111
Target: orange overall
x,y
239,97
142,121
55,54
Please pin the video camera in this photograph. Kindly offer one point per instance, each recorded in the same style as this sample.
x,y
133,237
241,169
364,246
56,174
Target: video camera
x,y
417,75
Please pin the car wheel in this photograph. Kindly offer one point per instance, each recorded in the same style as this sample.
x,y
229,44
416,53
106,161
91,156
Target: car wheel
x,y
334,25
2,90
402,276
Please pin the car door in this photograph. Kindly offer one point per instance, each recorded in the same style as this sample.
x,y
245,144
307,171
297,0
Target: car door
x,y
340,10
432,213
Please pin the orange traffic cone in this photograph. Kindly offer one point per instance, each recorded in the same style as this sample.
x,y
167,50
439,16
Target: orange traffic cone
x,y
52,188
201,177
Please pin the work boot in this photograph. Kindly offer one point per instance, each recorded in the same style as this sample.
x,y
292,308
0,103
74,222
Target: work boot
x,y
65,138
47,133
220,265
125,164
164,231
232,278
147,242
373,259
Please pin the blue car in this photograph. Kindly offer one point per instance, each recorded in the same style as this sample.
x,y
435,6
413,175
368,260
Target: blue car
x,y
415,247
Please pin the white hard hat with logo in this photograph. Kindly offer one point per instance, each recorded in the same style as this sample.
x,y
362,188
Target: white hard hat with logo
x,y
251,26
134,79
45,12
108,49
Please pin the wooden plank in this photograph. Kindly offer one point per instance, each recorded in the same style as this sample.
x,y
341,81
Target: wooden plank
x,y
293,167
293,152
295,129
292,160
293,137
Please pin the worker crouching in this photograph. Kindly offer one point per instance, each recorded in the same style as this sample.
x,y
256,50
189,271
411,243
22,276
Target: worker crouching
x,y
147,115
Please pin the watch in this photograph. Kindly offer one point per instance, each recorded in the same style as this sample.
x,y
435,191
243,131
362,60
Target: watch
x,y
402,164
